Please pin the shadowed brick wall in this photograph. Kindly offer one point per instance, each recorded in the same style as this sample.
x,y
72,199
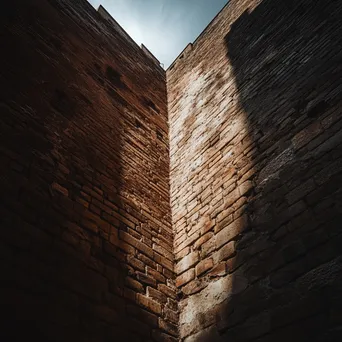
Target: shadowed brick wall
x,y
256,161
86,239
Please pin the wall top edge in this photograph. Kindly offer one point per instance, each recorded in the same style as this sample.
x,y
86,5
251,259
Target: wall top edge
x,y
106,15
190,46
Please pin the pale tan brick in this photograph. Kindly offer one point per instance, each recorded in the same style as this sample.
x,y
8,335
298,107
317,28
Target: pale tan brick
x,y
187,262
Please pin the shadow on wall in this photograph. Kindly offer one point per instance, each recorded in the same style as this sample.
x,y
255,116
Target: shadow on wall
x,y
287,62
61,105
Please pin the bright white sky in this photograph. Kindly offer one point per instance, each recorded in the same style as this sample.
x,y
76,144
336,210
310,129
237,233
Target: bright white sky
x,y
165,27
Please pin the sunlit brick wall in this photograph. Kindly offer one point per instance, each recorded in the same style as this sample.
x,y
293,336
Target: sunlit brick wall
x,y
256,161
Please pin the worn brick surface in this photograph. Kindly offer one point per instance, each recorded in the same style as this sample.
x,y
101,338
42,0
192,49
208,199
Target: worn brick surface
x,y
255,148
84,178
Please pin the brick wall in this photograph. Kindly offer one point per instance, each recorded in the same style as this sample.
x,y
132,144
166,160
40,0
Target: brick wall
x,y
88,245
86,239
256,161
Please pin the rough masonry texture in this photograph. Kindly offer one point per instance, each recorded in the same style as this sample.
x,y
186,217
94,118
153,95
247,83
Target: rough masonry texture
x,y
256,160
86,240
235,235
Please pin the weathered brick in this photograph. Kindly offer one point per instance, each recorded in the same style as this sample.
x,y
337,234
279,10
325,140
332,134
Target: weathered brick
x,y
253,135
225,252
185,277
202,240
167,290
149,304
203,266
163,261
208,247
306,135
163,252
187,262
219,270
182,253
155,275
206,225
231,231
147,261
135,263
145,279
162,337
245,187
172,304
160,297
168,274
188,241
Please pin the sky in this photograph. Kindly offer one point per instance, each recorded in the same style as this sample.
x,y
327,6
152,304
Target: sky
x,y
165,27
